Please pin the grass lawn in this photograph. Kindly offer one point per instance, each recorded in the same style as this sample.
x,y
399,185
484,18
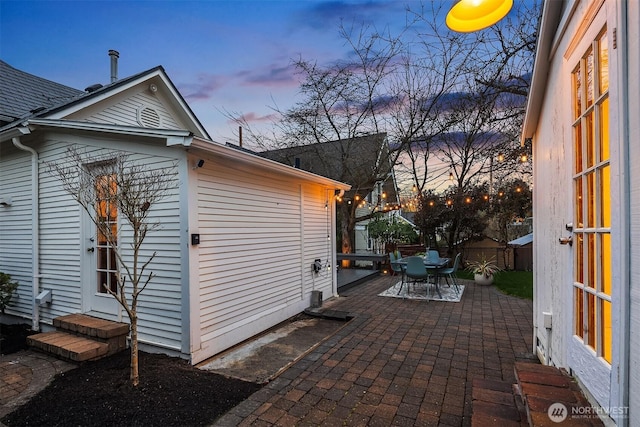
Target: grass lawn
x,y
516,283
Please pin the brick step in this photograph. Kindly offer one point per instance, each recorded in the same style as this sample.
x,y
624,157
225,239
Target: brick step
x,y
68,346
90,326
79,337
542,386
495,404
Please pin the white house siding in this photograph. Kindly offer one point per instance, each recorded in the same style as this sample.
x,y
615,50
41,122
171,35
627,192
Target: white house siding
x,y
62,249
633,121
553,154
125,111
259,235
16,249
551,213
160,309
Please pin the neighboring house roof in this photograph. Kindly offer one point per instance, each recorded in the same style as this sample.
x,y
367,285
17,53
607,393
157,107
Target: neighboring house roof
x,y
522,241
31,98
360,162
23,94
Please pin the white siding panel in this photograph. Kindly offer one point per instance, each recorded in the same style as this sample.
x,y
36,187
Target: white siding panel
x,y
160,305
61,245
16,225
125,112
254,227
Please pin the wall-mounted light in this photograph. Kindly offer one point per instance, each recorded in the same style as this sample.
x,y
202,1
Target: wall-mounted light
x,y
199,164
153,88
467,16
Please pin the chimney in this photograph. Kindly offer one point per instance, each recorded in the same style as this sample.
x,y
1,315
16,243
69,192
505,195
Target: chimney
x,y
114,55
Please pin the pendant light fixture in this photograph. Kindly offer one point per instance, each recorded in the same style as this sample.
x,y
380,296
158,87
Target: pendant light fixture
x,y
467,16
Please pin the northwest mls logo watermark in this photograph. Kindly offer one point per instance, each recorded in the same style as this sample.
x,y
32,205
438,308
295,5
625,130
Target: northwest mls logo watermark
x,y
558,412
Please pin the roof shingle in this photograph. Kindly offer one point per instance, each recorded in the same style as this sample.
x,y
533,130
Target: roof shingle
x,y
21,94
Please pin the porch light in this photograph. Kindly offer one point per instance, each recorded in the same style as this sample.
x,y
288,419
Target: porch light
x,y
450,176
467,16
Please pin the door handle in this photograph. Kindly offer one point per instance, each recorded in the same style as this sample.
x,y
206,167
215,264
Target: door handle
x,y
566,241
91,249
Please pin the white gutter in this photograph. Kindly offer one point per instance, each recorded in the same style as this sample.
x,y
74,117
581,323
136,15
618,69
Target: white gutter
x,y
35,229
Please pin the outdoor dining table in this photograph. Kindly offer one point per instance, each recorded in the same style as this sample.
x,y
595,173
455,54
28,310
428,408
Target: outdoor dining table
x,y
432,265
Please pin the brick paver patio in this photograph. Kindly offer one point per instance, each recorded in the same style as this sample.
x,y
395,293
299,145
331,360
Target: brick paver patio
x,y
398,362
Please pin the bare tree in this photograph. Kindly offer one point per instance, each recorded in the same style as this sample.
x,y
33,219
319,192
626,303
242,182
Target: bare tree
x,y
111,185
441,98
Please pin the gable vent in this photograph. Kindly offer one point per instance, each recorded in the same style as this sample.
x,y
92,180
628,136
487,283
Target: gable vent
x,y
148,117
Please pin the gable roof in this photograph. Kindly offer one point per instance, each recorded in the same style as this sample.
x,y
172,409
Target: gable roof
x,y
340,159
23,94
360,161
33,88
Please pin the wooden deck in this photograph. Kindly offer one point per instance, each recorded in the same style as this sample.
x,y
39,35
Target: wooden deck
x,y
353,276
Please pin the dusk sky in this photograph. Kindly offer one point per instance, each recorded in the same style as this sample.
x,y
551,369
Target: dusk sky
x,y
231,55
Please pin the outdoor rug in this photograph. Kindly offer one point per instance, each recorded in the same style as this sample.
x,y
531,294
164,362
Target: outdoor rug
x,y
419,291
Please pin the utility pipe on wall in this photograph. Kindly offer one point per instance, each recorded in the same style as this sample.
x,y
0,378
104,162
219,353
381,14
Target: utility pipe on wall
x,y
35,226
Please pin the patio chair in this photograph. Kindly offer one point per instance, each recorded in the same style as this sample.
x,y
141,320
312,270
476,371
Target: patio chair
x,y
433,254
415,270
395,267
450,273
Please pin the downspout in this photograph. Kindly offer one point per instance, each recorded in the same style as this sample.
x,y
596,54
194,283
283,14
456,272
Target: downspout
x,y
35,215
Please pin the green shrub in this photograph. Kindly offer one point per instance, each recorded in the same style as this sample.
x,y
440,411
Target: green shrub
x,y
7,288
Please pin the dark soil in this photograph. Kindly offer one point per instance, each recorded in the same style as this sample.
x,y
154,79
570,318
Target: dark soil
x,y
171,393
13,337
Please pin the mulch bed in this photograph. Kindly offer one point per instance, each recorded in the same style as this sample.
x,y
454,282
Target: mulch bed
x,y
14,337
171,393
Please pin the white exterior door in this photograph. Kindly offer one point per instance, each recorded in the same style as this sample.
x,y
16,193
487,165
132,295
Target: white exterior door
x,y
592,348
99,262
